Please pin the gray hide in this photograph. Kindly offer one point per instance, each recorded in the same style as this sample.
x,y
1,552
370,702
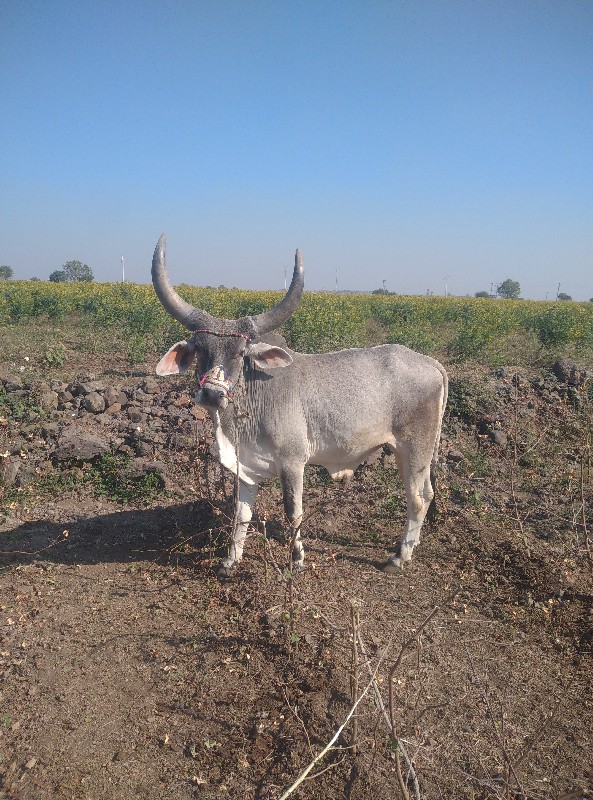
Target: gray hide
x,y
336,410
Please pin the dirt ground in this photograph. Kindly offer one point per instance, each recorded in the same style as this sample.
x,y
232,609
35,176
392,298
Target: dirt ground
x,y
128,670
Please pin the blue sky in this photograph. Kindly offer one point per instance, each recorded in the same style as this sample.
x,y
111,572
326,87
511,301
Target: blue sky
x,y
421,143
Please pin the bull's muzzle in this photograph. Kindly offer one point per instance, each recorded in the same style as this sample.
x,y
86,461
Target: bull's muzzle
x,y
215,388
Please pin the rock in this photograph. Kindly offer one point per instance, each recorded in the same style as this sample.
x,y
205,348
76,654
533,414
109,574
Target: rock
x,y
26,475
150,386
40,388
137,416
94,402
143,448
179,441
49,429
114,396
65,396
182,401
114,408
568,372
454,455
5,374
141,467
90,387
9,468
12,383
499,438
49,400
75,444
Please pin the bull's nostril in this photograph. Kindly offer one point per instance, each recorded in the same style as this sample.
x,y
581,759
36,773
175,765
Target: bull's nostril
x,y
212,395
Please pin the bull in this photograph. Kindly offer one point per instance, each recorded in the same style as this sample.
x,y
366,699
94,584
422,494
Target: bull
x,y
334,409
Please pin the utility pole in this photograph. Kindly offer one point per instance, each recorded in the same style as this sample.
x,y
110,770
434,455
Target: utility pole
x,y
558,290
123,270
336,279
446,278
285,278
384,286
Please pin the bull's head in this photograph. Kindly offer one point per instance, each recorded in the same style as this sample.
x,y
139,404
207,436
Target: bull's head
x,y
220,346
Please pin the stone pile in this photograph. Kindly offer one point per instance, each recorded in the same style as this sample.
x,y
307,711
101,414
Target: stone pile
x,y
48,424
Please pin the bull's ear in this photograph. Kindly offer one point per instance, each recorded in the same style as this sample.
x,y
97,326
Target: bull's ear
x,y
177,359
268,356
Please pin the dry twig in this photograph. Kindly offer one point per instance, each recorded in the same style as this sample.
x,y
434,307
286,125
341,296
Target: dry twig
x,y
338,732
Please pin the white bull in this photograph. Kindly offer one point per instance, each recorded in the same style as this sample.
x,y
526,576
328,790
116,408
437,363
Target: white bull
x,y
333,409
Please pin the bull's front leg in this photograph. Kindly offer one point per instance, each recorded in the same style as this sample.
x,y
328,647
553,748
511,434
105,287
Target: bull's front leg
x,y
292,493
243,514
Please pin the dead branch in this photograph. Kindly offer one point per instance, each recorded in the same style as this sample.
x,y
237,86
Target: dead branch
x,y
338,732
52,543
585,458
508,762
354,621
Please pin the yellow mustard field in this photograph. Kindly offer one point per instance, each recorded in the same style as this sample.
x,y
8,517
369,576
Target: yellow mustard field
x,y
324,321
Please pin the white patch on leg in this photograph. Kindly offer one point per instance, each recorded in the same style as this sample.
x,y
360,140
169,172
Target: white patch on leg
x,y
298,551
418,503
247,494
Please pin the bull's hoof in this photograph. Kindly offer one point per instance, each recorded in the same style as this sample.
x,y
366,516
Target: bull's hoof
x,y
298,566
227,569
393,566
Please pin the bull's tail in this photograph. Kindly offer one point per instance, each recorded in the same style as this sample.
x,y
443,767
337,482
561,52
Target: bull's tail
x,y
432,512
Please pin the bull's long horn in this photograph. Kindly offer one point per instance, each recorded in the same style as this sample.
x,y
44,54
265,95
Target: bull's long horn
x,y
195,318
275,317
189,316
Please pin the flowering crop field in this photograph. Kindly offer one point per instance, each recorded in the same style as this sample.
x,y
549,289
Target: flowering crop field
x,y
464,327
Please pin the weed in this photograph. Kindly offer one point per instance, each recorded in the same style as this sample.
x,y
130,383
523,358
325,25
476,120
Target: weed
x,y
391,506
54,356
465,496
55,482
316,476
476,462
111,478
19,407
468,400
136,349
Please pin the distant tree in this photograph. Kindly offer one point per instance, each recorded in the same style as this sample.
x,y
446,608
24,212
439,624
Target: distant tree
x,y
5,273
380,291
58,276
509,289
591,299
563,296
77,271
35,279
482,294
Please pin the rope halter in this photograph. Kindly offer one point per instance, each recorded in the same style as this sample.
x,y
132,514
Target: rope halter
x,y
216,376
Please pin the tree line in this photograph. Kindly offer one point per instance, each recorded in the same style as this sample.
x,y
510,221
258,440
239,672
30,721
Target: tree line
x,y
71,271
509,289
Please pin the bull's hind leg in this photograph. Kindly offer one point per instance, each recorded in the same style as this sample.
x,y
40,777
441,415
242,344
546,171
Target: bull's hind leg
x,y
292,492
419,494
243,513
